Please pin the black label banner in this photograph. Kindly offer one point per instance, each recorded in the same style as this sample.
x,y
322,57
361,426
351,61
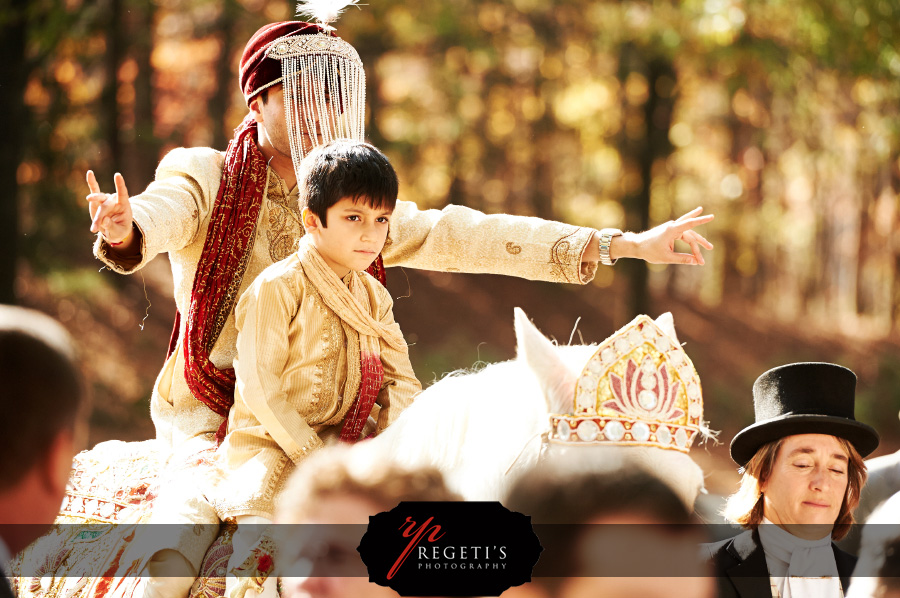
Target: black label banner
x,y
455,548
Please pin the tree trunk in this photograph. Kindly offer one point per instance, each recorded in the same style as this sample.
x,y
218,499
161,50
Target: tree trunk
x,y
225,79
109,98
644,152
13,74
544,170
146,145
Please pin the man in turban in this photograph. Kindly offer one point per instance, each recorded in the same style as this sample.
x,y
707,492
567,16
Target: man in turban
x,y
224,218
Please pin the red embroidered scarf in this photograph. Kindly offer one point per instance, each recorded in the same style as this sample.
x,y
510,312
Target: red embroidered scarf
x,y
226,252
371,373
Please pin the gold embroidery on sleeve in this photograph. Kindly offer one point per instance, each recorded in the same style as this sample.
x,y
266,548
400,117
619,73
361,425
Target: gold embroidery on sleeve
x,y
559,256
513,249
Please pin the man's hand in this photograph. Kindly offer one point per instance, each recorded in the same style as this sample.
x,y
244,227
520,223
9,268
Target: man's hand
x,y
657,245
111,213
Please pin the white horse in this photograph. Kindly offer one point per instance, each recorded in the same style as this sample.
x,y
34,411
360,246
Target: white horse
x,y
483,428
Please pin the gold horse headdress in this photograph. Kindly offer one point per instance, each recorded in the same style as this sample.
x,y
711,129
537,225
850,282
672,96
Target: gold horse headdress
x,y
638,388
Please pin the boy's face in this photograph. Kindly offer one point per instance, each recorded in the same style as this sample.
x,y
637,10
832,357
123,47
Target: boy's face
x,y
354,237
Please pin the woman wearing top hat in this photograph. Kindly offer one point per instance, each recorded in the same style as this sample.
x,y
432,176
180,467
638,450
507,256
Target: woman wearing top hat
x,y
803,472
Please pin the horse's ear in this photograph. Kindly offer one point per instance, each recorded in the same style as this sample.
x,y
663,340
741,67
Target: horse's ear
x,y
667,323
543,358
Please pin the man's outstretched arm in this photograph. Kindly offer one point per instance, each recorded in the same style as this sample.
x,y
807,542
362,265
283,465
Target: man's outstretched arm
x,y
166,217
459,239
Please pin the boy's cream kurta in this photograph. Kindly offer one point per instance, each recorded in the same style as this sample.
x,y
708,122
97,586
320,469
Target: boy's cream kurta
x,y
173,216
291,376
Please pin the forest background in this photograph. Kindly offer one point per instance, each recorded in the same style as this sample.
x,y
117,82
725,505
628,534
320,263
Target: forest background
x,y
780,117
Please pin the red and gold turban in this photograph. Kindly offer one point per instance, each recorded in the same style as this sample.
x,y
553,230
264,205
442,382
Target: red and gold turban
x,y
259,71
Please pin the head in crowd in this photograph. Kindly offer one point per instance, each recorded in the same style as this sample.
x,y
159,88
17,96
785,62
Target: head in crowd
x,y
44,421
347,169
554,492
634,536
889,573
803,458
342,485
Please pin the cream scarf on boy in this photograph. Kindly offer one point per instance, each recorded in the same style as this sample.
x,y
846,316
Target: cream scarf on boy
x,y
352,303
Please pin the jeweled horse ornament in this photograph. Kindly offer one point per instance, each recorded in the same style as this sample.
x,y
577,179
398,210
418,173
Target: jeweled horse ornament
x,y
634,396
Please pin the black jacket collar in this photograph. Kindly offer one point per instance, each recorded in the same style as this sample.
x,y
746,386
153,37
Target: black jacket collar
x,y
750,575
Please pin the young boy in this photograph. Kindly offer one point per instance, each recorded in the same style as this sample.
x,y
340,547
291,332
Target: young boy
x,y
317,342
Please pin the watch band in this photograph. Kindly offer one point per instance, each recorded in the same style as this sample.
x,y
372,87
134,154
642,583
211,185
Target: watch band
x,y
606,237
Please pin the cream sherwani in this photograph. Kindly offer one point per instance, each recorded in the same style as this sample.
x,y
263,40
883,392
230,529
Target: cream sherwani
x,y
292,381
173,215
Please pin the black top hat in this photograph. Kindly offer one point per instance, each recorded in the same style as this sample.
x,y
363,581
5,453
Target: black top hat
x,y
803,398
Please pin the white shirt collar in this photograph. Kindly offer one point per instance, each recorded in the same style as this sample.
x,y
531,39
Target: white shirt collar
x,y
799,568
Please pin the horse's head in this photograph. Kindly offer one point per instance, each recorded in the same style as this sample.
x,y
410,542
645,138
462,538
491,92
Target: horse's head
x,y
634,400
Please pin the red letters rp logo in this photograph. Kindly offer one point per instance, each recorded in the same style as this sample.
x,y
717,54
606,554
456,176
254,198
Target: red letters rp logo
x,y
433,533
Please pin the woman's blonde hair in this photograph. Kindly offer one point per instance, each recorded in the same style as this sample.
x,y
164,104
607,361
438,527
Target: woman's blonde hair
x,y
745,507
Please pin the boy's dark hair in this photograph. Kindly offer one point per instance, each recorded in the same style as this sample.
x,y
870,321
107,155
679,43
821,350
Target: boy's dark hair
x,y
346,168
43,391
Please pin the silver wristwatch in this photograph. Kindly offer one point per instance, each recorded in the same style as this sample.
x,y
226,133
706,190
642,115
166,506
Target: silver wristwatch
x,y
606,237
